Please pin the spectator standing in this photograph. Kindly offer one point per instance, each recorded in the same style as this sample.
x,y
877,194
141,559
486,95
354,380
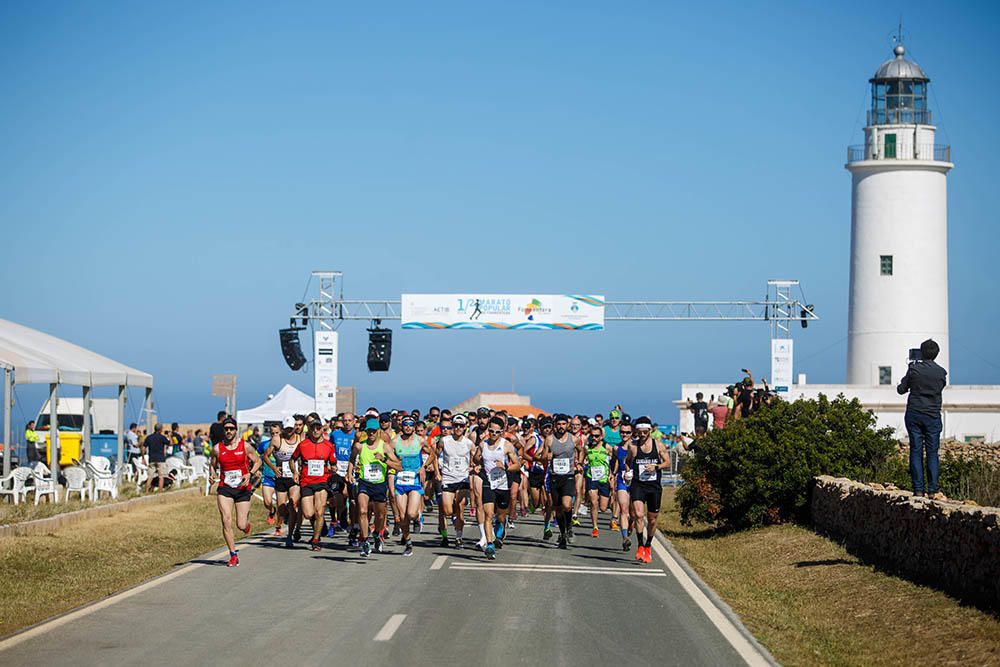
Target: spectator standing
x,y
700,410
155,447
720,412
924,381
31,437
132,442
176,440
215,432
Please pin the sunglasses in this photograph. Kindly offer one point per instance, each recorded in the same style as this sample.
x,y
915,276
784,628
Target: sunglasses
x,y
228,428
626,432
445,427
494,431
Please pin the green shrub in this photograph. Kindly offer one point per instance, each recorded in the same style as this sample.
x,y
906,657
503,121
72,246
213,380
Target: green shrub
x,y
759,470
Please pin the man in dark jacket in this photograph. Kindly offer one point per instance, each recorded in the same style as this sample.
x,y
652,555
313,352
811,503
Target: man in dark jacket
x,y
924,380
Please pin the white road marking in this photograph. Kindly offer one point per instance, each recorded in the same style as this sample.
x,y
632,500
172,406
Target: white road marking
x,y
746,650
390,627
542,566
257,495
438,562
561,570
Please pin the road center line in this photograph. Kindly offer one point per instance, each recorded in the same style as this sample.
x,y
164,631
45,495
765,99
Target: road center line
x,y
438,562
390,627
746,650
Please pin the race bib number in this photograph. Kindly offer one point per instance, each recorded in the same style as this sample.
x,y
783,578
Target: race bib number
x,y
372,472
598,472
561,466
233,478
498,479
315,467
645,475
342,468
458,466
406,478
627,475
286,469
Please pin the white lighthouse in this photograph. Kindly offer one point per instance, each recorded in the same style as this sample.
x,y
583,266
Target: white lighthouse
x,y
899,229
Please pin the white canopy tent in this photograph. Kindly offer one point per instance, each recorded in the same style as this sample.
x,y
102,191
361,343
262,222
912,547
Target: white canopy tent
x,y
287,402
29,356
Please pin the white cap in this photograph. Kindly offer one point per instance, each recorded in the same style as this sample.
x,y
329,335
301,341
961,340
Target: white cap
x,y
288,421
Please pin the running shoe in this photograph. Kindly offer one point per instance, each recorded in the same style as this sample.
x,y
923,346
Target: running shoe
x,y
270,519
444,541
396,530
576,521
481,545
614,525
379,545
277,532
547,535
297,535
289,542
626,545
458,542
510,525
639,556
331,530
491,552
408,551
352,542
595,532
417,525
366,549
234,560
647,557
562,542
246,531
498,531
314,544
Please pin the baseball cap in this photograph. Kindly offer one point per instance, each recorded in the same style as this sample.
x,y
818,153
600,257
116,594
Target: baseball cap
x,y
288,421
229,420
615,414
545,421
484,412
385,417
459,419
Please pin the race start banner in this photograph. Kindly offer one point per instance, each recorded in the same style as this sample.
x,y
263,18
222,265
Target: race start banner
x,y
567,312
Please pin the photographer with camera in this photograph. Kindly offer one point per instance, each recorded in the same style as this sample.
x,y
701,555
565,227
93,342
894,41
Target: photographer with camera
x,y
924,380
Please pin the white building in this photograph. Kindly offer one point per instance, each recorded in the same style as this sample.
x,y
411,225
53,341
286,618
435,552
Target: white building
x,y
899,262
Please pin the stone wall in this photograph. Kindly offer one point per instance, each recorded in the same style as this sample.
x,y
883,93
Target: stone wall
x,y
945,544
987,452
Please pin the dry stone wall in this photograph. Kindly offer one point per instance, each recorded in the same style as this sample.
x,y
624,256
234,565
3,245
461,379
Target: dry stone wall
x,y
946,544
981,451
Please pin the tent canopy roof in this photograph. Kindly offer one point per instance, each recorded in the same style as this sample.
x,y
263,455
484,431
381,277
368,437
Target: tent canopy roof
x,y
38,358
287,402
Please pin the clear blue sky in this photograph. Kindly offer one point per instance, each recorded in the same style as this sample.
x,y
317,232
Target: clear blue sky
x,y
171,172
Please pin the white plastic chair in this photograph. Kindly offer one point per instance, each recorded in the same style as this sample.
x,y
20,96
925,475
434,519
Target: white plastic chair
x,y
44,484
175,468
101,463
141,472
128,472
17,479
76,482
101,480
198,465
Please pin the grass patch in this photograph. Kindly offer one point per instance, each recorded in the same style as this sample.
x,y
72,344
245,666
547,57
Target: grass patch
x,y
812,603
46,575
10,513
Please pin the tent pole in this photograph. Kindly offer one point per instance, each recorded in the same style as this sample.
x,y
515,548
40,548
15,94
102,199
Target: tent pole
x,y
148,407
7,396
120,428
87,425
54,430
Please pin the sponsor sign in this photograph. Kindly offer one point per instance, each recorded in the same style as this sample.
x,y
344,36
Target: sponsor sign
x,y
325,388
781,366
560,312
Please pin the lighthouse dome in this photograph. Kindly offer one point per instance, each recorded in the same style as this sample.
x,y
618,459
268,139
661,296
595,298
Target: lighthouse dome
x,y
899,68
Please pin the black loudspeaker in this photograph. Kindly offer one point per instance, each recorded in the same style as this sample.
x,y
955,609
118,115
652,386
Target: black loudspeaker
x,y
379,349
291,348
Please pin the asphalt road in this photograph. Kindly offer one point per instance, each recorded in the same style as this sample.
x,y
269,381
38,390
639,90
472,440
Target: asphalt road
x,y
535,604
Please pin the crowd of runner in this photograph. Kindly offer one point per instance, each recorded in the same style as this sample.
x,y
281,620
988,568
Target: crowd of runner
x,y
487,466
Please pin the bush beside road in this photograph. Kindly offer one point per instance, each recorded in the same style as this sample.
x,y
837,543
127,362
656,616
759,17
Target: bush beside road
x,y
812,603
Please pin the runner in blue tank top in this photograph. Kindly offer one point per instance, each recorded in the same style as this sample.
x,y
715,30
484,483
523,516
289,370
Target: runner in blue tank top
x,y
343,442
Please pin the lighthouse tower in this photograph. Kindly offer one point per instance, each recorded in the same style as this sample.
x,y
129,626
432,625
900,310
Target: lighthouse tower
x,y
899,229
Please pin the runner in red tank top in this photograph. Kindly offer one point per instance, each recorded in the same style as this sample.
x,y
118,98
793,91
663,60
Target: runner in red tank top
x,y
236,465
311,464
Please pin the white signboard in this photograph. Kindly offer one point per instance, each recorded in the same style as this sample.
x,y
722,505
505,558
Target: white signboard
x,y
569,312
781,366
325,377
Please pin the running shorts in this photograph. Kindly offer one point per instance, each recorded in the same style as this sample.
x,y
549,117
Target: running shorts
x,y
536,479
284,484
563,485
499,497
603,488
310,490
647,493
375,492
620,484
513,477
403,489
456,487
238,495
267,481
